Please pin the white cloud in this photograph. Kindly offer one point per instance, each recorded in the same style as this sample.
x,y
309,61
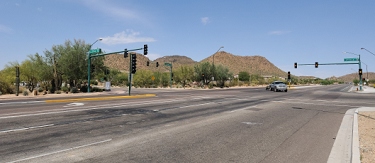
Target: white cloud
x,y
278,32
205,20
126,37
5,29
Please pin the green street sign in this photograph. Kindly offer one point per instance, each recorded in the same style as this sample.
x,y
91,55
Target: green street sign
x,y
95,51
168,64
350,59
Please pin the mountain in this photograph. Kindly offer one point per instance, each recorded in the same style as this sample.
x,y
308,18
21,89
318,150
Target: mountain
x,y
352,76
252,64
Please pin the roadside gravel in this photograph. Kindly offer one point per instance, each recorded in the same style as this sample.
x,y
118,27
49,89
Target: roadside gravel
x,y
366,130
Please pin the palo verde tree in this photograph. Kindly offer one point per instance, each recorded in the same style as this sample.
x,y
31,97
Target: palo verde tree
x,y
183,75
244,76
203,72
222,74
69,62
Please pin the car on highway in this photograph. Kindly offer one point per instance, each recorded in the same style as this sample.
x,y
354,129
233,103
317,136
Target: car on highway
x,y
278,86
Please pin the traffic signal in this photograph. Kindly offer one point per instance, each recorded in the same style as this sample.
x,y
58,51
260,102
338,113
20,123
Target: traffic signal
x,y
134,63
288,74
17,71
148,63
92,68
145,49
126,53
360,71
316,64
157,64
295,64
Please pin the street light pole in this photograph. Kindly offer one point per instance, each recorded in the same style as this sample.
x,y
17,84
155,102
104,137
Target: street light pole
x,y
367,51
213,57
213,63
359,63
89,64
366,69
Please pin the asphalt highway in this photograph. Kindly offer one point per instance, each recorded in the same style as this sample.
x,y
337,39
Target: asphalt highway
x,y
179,125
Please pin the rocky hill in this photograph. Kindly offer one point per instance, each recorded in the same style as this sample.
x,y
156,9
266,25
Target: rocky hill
x,y
235,63
352,76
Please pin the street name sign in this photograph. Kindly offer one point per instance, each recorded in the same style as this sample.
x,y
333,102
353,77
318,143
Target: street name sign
x,y
95,51
350,59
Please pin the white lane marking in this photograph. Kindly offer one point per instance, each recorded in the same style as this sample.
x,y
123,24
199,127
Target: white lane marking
x,y
252,123
243,108
27,102
74,104
65,150
26,128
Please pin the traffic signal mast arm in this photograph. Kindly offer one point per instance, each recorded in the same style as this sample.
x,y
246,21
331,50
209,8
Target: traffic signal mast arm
x,y
313,64
115,52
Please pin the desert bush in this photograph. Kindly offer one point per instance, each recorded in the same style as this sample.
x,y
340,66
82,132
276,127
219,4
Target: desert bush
x,y
40,89
75,90
25,93
64,89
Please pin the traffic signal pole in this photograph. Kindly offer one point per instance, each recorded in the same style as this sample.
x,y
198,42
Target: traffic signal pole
x,y
88,71
360,74
97,53
130,74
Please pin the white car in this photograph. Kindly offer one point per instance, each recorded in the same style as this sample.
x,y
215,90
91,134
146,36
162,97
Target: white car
x,y
278,86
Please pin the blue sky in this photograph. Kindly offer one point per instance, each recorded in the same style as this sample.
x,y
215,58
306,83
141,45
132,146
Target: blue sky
x,y
282,31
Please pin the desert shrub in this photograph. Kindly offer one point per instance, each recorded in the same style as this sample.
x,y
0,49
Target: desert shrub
x,y
83,88
25,93
64,89
40,89
96,89
74,90
58,92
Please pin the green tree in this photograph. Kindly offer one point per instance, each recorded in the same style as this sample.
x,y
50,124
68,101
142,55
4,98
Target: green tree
x,y
183,75
244,76
203,72
143,78
222,75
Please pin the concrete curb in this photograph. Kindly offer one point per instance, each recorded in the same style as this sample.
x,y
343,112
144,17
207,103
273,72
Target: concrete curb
x,y
355,145
346,147
342,148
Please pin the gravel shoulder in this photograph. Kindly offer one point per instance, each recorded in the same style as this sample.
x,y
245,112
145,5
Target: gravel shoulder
x,y
366,129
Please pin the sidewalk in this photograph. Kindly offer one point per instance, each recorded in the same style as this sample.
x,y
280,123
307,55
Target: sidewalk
x,y
365,89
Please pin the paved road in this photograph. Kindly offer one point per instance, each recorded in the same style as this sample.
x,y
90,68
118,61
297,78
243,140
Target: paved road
x,y
225,125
